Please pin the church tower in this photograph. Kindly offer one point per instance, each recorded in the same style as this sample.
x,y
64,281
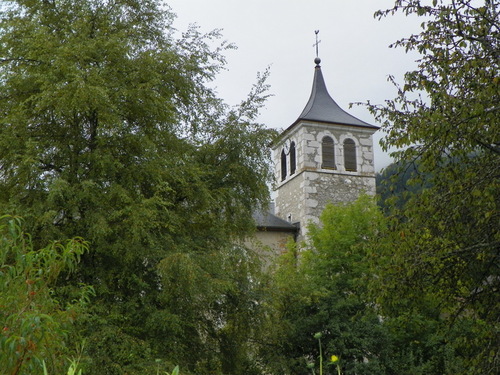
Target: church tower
x,y
325,156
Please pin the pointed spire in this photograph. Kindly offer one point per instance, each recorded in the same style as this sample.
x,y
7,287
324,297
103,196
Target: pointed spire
x,y
321,107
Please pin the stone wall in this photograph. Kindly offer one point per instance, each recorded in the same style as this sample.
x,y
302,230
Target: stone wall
x,y
269,245
290,199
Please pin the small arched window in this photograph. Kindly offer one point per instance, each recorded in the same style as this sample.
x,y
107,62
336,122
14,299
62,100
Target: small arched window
x,y
293,163
350,155
283,165
328,153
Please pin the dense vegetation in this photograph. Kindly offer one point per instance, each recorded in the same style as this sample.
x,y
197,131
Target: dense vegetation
x,y
110,132
444,250
136,183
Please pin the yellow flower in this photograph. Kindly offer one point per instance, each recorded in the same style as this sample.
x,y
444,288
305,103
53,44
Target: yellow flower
x,y
334,358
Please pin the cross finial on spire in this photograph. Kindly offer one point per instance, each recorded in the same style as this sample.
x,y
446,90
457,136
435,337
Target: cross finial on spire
x,y
317,42
317,60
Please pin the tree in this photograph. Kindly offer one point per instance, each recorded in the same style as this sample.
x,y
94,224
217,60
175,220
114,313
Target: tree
x,y
109,131
396,183
33,322
324,291
445,119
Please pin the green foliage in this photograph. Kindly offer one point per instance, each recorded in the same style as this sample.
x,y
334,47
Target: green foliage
x,y
72,369
175,371
216,293
397,183
109,131
324,290
34,323
444,247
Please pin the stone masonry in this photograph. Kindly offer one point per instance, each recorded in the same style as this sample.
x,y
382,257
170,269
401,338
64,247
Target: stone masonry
x,y
302,197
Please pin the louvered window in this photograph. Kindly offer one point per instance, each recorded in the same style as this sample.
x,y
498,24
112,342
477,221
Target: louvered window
x,y
283,165
328,153
292,158
350,155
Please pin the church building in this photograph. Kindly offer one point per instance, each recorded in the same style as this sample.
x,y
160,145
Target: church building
x,y
325,156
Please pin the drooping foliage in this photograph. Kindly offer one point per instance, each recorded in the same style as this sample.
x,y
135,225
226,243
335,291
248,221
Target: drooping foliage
x,y
110,131
34,324
445,118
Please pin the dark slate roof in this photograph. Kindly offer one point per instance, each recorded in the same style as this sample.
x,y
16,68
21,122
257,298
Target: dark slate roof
x,y
322,108
268,221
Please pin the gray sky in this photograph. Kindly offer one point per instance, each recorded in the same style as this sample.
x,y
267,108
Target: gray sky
x,y
354,51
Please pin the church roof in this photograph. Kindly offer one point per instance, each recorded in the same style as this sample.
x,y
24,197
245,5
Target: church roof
x,y
322,108
270,222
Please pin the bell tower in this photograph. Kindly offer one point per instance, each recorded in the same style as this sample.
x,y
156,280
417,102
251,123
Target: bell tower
x,y
325,156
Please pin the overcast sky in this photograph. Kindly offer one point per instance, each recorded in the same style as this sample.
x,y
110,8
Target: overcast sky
x,y
279,34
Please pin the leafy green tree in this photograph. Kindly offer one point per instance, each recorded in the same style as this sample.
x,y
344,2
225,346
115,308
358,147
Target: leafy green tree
x,y
229,325
34,323
445,117
109,131
323,290
420,338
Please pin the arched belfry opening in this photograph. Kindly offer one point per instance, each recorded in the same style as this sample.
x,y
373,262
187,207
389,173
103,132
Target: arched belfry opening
x,y
350,163
293,161
327,153
283,165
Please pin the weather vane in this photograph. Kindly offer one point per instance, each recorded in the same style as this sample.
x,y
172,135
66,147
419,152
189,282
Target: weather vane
x,y
317,42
